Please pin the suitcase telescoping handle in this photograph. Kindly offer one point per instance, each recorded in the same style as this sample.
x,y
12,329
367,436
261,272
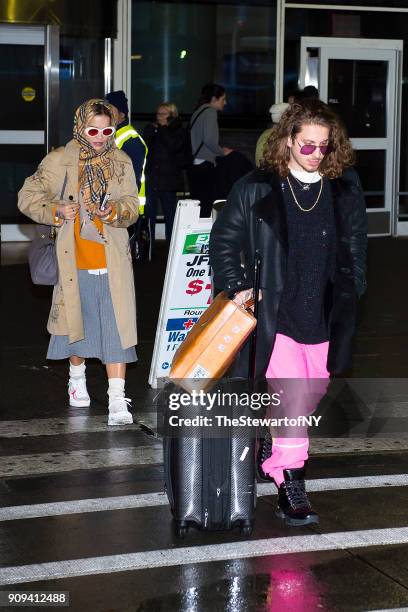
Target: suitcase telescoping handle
x,y
252,342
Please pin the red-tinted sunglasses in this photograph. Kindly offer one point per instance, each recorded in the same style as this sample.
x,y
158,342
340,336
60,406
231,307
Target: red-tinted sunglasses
x,y
308,149
93,131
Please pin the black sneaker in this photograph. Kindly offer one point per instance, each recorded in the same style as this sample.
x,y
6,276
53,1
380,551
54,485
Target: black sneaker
x,y
264,452
293,504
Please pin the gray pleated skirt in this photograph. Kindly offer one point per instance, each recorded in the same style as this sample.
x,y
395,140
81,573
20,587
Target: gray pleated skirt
x,y
101,333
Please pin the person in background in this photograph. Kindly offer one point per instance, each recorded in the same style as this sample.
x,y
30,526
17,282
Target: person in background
x,y
276,111
294,96
302,94
93,311
166,141
129,139
310,92
304,212
205,145
228,170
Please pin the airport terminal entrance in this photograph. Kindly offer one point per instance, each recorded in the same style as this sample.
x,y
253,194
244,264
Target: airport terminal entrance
x,y
361,80
29,75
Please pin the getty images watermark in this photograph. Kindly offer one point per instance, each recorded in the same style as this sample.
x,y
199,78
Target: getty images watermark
x,y
252,401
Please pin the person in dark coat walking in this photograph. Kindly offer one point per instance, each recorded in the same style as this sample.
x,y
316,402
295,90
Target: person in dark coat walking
x,y
166,141
304,211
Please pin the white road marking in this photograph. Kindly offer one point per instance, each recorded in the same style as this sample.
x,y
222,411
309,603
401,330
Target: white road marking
x,y
102,504
203,554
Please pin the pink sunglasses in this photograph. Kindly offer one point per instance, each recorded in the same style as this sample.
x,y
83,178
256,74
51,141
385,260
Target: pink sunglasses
x,y
93,131
308,149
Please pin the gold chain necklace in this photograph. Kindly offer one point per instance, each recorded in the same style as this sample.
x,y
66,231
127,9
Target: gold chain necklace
x,y
316,201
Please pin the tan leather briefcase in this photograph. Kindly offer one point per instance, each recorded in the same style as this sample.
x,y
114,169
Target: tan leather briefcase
x,y
211,345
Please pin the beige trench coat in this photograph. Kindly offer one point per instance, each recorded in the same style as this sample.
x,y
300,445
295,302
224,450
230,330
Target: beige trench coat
x,y
36,200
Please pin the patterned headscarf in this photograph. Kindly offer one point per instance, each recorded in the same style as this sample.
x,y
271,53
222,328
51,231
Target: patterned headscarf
x,y
98,165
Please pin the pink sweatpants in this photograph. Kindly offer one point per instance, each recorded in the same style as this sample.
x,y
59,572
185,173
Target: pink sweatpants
x,y
291,360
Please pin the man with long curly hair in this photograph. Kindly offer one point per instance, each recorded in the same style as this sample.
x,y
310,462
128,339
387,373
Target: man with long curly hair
x,y
303,211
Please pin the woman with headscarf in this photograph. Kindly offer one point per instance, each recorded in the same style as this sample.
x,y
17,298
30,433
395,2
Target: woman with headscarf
x,y
93,311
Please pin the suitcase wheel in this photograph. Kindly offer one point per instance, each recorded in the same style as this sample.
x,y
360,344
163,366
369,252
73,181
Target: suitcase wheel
x,y
181,529
246,530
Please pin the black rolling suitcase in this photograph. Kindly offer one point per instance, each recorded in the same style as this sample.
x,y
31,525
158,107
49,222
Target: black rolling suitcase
x,y
210,482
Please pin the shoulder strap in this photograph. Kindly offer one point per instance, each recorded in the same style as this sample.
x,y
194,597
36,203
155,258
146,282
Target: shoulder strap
x,y
197,116
191,125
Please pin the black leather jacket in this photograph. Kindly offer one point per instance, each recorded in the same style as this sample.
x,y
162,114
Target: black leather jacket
x,y
255,216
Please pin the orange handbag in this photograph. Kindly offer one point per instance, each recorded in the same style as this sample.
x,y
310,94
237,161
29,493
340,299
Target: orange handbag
x,y
212,344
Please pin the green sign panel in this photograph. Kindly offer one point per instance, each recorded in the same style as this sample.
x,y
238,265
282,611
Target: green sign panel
x,y
196,243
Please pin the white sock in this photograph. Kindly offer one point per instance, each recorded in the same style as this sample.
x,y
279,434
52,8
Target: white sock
x,y
77,371
116,388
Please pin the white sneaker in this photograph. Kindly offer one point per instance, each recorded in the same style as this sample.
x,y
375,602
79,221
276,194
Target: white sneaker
x,y
78,394
118,411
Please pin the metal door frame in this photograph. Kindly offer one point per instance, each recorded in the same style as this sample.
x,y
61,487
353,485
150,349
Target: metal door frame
x,y
386,50
47,37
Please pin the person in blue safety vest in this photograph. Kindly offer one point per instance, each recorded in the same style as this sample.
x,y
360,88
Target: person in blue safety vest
x,y
129,139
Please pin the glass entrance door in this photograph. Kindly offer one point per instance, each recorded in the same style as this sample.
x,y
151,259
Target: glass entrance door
x,y
360,80
29,79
